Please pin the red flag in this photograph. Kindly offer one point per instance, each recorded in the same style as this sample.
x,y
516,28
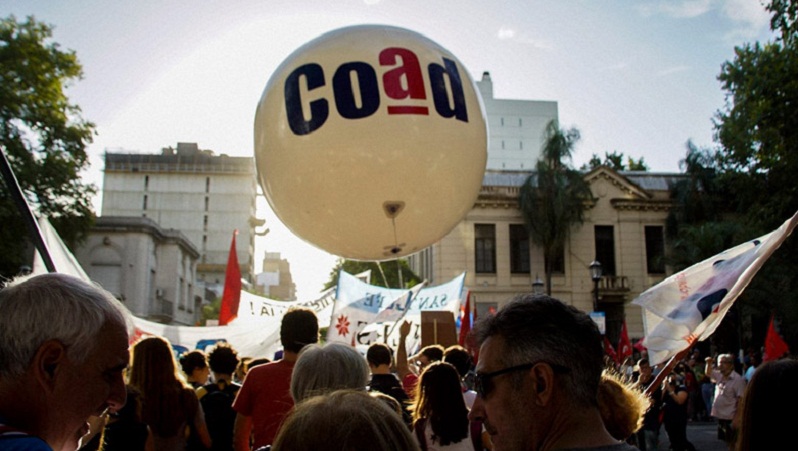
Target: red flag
x,y
232,286
608,349
624,345
775,346
465,321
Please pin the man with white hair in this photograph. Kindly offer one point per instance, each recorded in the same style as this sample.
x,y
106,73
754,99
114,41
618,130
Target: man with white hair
x,y
63,352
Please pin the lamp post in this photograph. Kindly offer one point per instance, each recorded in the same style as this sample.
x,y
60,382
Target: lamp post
x,y
595,274
537,286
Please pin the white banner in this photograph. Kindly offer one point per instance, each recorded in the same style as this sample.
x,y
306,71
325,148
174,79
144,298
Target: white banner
x,y
358,304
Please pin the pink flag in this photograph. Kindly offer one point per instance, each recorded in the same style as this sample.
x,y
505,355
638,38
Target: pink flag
x,y
231,296
688,306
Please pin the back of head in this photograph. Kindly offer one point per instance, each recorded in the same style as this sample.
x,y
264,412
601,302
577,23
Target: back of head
x,y
153,366
193,360
322,369
434,353
379,354
53,307
299,327
540,328
458,357
764,423
223,359
622,406
344,420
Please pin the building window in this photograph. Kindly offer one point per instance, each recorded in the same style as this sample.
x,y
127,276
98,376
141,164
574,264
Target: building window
x,y
207,201
502,144
144,204
605,249
521,145
205,223
146,182
485,248
519,249
502,120
520,123
207,184
655,250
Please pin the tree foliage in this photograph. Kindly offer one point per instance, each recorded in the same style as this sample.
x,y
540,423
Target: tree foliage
x,y
388,274
43,136
552,199
747,186
617,161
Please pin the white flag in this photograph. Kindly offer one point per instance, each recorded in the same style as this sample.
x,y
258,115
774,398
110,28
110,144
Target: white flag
x,y
688,306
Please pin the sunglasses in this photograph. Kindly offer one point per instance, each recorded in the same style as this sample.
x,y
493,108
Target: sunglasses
x,y
483,384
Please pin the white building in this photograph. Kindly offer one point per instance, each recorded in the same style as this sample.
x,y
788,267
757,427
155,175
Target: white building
x,y
204,196
152,270
516,128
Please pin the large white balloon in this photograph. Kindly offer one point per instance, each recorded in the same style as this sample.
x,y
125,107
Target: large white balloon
x,y
370,142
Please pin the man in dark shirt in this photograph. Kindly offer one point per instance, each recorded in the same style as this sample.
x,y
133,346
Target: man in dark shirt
x,y
380,358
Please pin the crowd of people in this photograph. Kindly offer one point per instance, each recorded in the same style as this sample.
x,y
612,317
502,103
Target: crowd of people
x,y
69,380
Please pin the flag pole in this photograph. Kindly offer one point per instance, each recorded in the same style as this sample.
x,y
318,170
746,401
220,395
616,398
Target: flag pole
x,y
24,209
665,371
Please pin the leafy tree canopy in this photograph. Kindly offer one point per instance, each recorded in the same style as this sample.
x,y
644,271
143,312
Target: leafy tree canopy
x,y
388,274
43,136
617,161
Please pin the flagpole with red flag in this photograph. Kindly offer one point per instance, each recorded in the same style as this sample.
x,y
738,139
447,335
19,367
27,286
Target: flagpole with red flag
x,y
775,346
231,296
465,321
624,344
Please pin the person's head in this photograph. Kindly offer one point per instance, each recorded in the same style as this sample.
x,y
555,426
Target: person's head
x,y
379,354
299,327
726,364
458,357
195,366
644,366
438,398
540,359
764,424
344,420
429,354
322,369
63,352
223,359
622,406
153,366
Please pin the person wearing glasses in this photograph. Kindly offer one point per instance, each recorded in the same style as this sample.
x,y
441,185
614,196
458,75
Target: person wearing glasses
x,y
729,389
538,375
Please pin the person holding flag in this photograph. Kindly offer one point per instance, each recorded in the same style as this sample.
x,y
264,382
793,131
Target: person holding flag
x,y
729,389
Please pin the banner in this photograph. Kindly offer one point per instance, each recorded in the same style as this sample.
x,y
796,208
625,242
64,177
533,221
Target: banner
x,y
361,297
688,306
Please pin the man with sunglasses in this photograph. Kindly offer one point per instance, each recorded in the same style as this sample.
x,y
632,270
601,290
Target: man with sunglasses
x,y
540,364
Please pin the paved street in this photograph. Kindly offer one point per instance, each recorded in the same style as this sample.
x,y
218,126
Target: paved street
x,y
703,435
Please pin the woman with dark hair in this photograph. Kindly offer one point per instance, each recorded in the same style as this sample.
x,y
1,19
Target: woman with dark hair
x,y
169,404
764,422
440,416
195,366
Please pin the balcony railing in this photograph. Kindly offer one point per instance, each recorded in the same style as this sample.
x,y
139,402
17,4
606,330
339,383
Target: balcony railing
x,y
614,284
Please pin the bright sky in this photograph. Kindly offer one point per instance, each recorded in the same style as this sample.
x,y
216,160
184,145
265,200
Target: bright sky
x,y
637,77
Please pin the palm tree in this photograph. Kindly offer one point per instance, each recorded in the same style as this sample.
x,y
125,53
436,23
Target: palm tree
x,y
552,199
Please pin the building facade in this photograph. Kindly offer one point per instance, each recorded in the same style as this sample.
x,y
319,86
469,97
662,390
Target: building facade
x,y
204,196
624,230
516,128
152,270
275,281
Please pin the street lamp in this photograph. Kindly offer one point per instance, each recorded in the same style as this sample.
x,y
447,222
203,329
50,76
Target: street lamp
x,y
537,286
595,274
